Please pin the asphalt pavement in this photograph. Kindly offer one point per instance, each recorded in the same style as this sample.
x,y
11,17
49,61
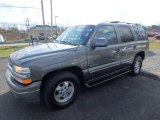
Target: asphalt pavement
x,y
123,98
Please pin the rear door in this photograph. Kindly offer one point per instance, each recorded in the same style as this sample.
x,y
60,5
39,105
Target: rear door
x,y
127,45
142,43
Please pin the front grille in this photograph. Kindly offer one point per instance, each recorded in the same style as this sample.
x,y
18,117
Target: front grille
x,y
10,65
13,80
16,82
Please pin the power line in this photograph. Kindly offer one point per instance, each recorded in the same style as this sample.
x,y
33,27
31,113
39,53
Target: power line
x,y
23,7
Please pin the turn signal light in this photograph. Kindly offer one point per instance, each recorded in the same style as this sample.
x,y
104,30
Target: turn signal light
x,y
26,81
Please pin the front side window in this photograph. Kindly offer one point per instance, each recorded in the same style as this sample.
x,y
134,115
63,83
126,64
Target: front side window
x,y
125,34
77,35
107,32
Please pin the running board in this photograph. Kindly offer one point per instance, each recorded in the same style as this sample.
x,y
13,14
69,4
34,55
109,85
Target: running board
x,y
92,84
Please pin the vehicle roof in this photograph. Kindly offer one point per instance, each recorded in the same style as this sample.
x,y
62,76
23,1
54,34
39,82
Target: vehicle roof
x,y
114,23
119,23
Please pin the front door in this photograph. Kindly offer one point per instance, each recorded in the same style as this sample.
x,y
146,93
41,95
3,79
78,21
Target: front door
x,y
104,60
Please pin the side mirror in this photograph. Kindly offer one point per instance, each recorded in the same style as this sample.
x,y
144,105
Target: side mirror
x,y
100,42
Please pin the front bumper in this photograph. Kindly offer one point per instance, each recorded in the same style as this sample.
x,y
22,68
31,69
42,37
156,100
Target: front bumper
x,y
29,93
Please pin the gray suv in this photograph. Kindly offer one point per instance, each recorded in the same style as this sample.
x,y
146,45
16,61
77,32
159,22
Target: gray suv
x,y
86,55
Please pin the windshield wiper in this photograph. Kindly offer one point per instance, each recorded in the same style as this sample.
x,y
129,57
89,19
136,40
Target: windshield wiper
x,y
63,42
66,42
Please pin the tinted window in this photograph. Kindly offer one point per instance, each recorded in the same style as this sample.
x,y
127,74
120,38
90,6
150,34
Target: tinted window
x,y
125,34
107,32
140,33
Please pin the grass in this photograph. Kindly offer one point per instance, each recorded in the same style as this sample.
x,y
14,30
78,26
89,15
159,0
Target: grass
x,y
153,44
5,51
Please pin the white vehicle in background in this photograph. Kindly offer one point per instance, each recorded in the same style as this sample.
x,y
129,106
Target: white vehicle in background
x,y
1,38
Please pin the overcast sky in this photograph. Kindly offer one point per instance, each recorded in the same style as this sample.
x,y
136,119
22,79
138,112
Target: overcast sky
x,y
73,12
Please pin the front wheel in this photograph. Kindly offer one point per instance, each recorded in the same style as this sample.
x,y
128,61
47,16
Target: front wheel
x,y
60,90
136,66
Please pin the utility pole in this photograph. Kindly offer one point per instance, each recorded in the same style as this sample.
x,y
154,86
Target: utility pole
x,y
56,25
43,18
51,17
27,21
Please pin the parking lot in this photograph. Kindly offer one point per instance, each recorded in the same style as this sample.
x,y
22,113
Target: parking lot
x,y
124,98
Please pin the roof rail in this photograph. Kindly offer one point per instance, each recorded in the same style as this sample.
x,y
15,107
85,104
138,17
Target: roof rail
x,y
114,21
111,22
121,22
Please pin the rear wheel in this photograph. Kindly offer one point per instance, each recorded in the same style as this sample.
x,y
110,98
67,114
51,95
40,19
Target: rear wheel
x,y
60,90
136,66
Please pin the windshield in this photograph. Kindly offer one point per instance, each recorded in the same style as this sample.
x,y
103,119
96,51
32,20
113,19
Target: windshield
x,y
77,35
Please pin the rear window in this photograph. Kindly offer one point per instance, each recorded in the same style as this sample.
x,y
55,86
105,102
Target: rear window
x,y
140,33
125,34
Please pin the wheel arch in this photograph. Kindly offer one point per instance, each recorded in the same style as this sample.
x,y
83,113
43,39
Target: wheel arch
x,y
73,69
141,54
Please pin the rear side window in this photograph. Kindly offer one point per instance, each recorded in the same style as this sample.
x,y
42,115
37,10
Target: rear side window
x,y
140,33
107,32
125,34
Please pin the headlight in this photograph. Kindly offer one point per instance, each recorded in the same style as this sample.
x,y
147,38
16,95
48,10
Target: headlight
x,y
21,70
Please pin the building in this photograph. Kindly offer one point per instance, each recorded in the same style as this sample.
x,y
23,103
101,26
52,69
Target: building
x,y
1,38
39,30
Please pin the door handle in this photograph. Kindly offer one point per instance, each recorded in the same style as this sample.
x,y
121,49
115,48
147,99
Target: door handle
x,y
134,47
118,50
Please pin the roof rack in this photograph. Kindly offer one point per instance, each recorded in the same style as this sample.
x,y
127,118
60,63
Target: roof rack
x,y
114,21
120,22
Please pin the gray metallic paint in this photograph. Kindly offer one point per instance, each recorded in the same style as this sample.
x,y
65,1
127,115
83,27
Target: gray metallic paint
x,y
46,58
94,63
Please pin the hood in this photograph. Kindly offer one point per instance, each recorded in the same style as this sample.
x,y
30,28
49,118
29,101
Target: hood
x,y
39,51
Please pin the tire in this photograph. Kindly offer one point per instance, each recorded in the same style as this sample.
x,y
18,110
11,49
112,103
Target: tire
x,y
136,66
60,90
